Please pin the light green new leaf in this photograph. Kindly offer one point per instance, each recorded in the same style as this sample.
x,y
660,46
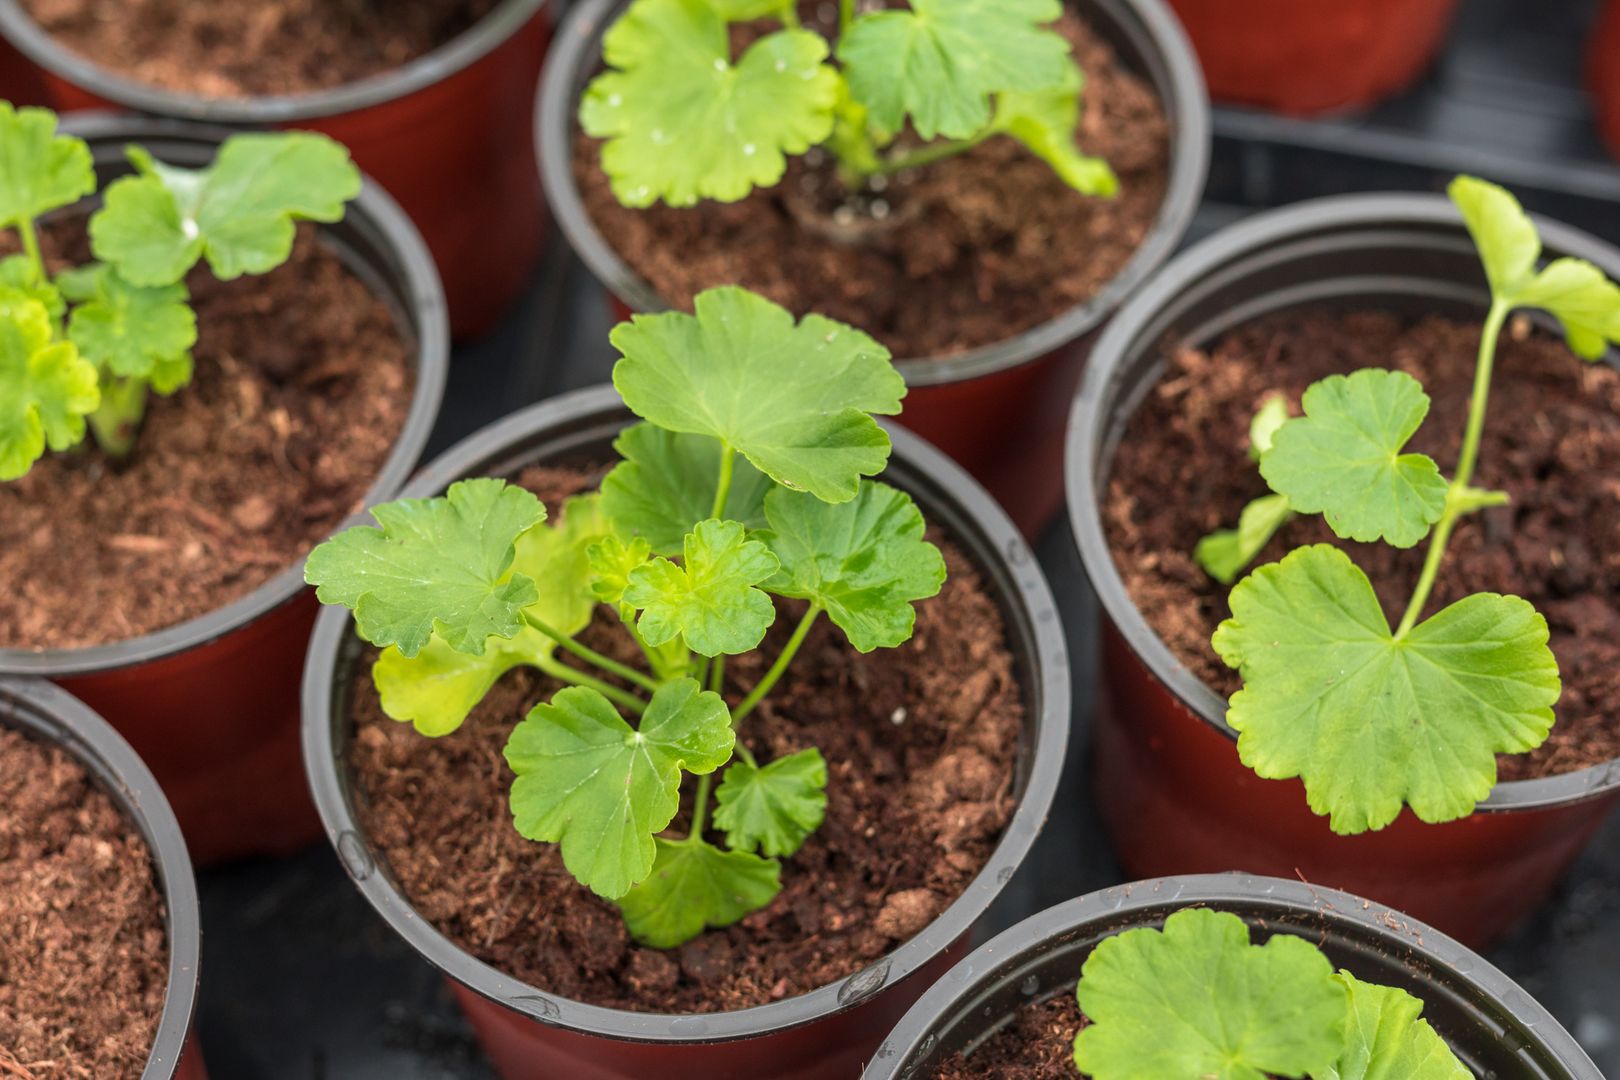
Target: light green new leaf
x,y
865,561
17,272
795,400
1047,122
683,123
436,565
238,212
938,63
601,789
1224,553
1197,1000
667,482
557,559
694,885
747,10
775,808
39,169
611,563
1343,458
46,389
1585,303
1271,416
710,601
130,330
1368,721
1504,234
1386,1039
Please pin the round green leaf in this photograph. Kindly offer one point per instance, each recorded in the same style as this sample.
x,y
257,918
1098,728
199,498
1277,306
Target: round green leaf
x,y
667,482
39,169
772,809
46,389
695,885
1387,1039
711,600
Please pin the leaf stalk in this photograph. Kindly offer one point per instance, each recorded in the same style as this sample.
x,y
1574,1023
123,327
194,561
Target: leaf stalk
x,y
589,655
563,673
774,675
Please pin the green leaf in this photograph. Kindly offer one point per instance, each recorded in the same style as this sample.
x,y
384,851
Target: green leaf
x,y
1369,721
1047,121
792,399
1197,1000
711,601
1343,458
938,63
1504,234
171,373
1386,1039
1224,553
775,808
865,561
46,389
238,213
667,482
695,885
557,559
437,565
683,123
1271,415
747,10
39,169
17,273
611,563
131,330
588,781
1586,304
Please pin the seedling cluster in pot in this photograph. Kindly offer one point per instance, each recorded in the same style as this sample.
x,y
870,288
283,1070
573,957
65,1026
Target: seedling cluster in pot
x,y
748,480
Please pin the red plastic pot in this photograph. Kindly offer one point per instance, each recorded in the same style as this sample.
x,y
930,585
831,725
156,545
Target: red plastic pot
x,y
52,715
447,134
1000,410
1173,793
1295,57
532,1034
211,705
1603,74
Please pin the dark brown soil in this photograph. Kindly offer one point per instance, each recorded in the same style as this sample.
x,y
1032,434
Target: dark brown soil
x,y
250,48
302,386
920,742
83,950
975,250
1037,1045
1551,441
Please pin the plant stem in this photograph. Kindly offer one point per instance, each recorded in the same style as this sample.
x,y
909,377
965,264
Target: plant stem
x,y
722,490
790,14
591,656
846,16
628,618
717,685
117,420
30,243
772,676
1465,465
562,672
928,154
700,807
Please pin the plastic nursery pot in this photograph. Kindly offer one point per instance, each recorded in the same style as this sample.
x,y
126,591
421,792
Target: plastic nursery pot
x,y
1311,58
211,705
1489,1022
1172,791
51,715
1603,75
532,1034
447,134
998,410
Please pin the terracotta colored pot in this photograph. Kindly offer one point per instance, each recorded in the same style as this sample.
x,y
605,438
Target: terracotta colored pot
x,y
447,134
532,1034
1489,1022
211,705
1173,793
1296,57
53,715
1603,74
999,410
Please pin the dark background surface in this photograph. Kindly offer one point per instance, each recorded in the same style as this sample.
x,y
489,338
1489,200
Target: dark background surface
x,y
301,980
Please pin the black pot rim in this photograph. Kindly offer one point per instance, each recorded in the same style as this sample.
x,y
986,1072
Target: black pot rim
x,y
1088,425
419,289
1050,662
1184,97
1351,913
461,52
58,717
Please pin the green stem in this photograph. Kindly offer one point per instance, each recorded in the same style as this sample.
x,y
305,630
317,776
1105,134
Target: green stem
x,y
563,673
717,685
591,656
700,807
768,683
627,616
117,421
30,243
790,14
928,154
846,16
1465,465
722,490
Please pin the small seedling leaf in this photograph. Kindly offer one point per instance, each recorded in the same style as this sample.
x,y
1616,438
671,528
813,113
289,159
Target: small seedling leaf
x,y
17,273
774,808
46,389
711,599
1272,415
39,169
693,886
1047,121
666,485
611,563
1504,234
130,330
1585,303
1224,553
1387,1039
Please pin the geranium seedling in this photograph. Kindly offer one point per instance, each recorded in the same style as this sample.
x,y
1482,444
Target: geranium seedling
x,y
1198,999
1374,719
86,346
749,479
684,119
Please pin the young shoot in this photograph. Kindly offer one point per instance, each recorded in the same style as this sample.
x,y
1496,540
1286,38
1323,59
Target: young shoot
x,y
1197,999
86,346
684,119
1374,719
746,483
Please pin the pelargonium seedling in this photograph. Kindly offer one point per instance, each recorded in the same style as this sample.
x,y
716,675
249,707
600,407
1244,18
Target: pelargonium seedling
x,y
84,348
685,119
1374,719
748,483
1198,999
